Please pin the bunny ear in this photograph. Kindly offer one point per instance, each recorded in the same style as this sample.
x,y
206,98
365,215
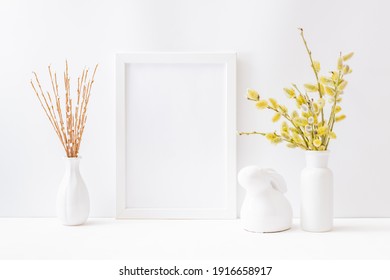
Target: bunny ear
x,y
277,181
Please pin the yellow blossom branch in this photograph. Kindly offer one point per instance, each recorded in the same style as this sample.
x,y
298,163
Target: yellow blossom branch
x,y
251,133
276,135
315,72
287,117
333,111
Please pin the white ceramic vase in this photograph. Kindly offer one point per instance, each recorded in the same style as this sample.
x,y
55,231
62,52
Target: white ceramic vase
x,y
317,193
72,197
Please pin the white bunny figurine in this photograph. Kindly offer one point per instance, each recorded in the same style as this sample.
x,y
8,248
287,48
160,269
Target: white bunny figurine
x,y
265,208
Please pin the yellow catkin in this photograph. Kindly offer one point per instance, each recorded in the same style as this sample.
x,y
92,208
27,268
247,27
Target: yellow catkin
x,y
262,104
276,117
270,136
316,108
283,108
285,135
273,138
342,85
348,56
300,100
276,140
297,138
273,102
322,88
322,130
335,76
317,66
340,118
326,81
310,87
340,63
284,127
332,135
290,93
317,142
329,91
300,121
346,69
252,94
321,103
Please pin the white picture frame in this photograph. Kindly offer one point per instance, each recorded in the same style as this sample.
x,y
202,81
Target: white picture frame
x,y
176,136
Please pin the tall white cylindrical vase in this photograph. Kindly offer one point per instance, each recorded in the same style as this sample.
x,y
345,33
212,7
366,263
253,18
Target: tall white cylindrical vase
x,y
317,193
72,197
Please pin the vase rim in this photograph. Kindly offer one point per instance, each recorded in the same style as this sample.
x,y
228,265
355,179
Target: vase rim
x,y
72,158
317,152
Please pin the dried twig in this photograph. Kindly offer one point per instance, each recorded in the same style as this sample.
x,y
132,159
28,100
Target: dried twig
x,y
69,127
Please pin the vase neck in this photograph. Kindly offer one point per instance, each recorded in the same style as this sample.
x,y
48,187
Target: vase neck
x,y
72,165
317,159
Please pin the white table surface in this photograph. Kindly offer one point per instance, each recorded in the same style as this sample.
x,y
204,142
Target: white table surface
x,y
107,238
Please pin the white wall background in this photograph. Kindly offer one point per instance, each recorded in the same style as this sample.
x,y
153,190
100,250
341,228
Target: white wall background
x,y
270,56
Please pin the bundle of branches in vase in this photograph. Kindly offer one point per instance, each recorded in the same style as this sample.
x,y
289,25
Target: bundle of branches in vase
x,y
307,127
67,116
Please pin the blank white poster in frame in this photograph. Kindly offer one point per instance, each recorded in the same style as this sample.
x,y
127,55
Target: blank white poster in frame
x,y
176,135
